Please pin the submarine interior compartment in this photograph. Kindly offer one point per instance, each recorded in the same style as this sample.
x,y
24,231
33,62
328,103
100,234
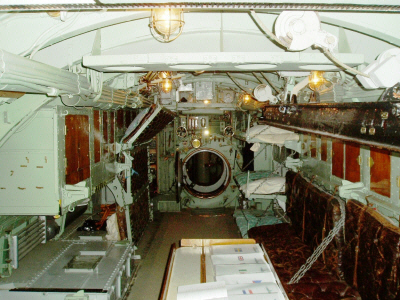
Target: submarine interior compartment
x,y
105,108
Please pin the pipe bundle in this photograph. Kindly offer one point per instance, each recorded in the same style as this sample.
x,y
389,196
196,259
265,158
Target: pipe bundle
x,y
21,74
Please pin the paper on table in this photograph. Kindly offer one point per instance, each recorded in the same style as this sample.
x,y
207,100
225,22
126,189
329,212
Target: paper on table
x,y
253,288
235,249
235,259
246,278
203,291
241,269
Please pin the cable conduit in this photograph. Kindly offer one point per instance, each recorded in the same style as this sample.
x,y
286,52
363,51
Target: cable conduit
x,y
21,72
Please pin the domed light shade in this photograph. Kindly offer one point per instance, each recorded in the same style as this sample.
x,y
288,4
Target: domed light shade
x,y
316,79
166,85
166,24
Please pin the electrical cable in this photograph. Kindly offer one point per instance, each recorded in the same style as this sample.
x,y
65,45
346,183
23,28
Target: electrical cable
x,y
330,55
266,30
72,22
237,83
325,50
25,119
115,198
255,75
74,105
26,124
270,83
26,52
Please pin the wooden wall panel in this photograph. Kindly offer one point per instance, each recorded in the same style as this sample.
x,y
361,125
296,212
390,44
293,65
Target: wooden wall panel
x,y
337,158
128,118
140,216
352,172
380,171
305,144
77,148
112,135
97,136
120,119
139,165
324,149
112,127
105,134
313,146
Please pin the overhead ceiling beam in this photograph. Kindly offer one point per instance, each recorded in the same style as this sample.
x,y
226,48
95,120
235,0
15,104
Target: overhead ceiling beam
x,y
67,5
219,61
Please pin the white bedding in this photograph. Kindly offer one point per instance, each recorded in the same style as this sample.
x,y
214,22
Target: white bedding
x,y
265,186
272,135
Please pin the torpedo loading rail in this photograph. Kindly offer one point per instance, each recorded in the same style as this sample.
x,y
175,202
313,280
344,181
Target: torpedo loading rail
x,y
373,124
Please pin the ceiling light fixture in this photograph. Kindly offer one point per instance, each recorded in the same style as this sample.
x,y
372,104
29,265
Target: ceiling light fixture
x,y
246,98
164,74
166,24
166,85
316,79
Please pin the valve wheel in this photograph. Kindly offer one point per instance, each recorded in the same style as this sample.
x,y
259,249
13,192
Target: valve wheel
x,y
228,131
181,131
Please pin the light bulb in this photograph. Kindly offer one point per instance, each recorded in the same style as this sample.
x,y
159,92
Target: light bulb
x,y
316,79
246,98
164,74
166,85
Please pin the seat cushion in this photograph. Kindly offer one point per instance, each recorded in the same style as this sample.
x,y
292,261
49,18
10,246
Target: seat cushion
x,y
288,253
371,257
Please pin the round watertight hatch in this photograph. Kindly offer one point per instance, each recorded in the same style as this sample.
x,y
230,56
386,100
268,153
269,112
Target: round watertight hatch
x,y
206,173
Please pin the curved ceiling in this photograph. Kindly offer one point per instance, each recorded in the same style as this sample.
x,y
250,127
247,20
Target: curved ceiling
x,y
127,32
217,37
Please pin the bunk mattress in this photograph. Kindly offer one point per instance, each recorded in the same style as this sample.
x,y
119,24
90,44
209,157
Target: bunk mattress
x,y
271,135
256,184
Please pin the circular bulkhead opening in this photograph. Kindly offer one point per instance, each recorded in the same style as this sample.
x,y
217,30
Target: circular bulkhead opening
x,y
206,173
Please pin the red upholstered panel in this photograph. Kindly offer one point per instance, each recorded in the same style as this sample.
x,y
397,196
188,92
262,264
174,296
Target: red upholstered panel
x,y
313,213
371,256
368,254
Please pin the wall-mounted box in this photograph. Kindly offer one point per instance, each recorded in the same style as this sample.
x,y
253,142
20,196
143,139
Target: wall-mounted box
x,y
56,160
